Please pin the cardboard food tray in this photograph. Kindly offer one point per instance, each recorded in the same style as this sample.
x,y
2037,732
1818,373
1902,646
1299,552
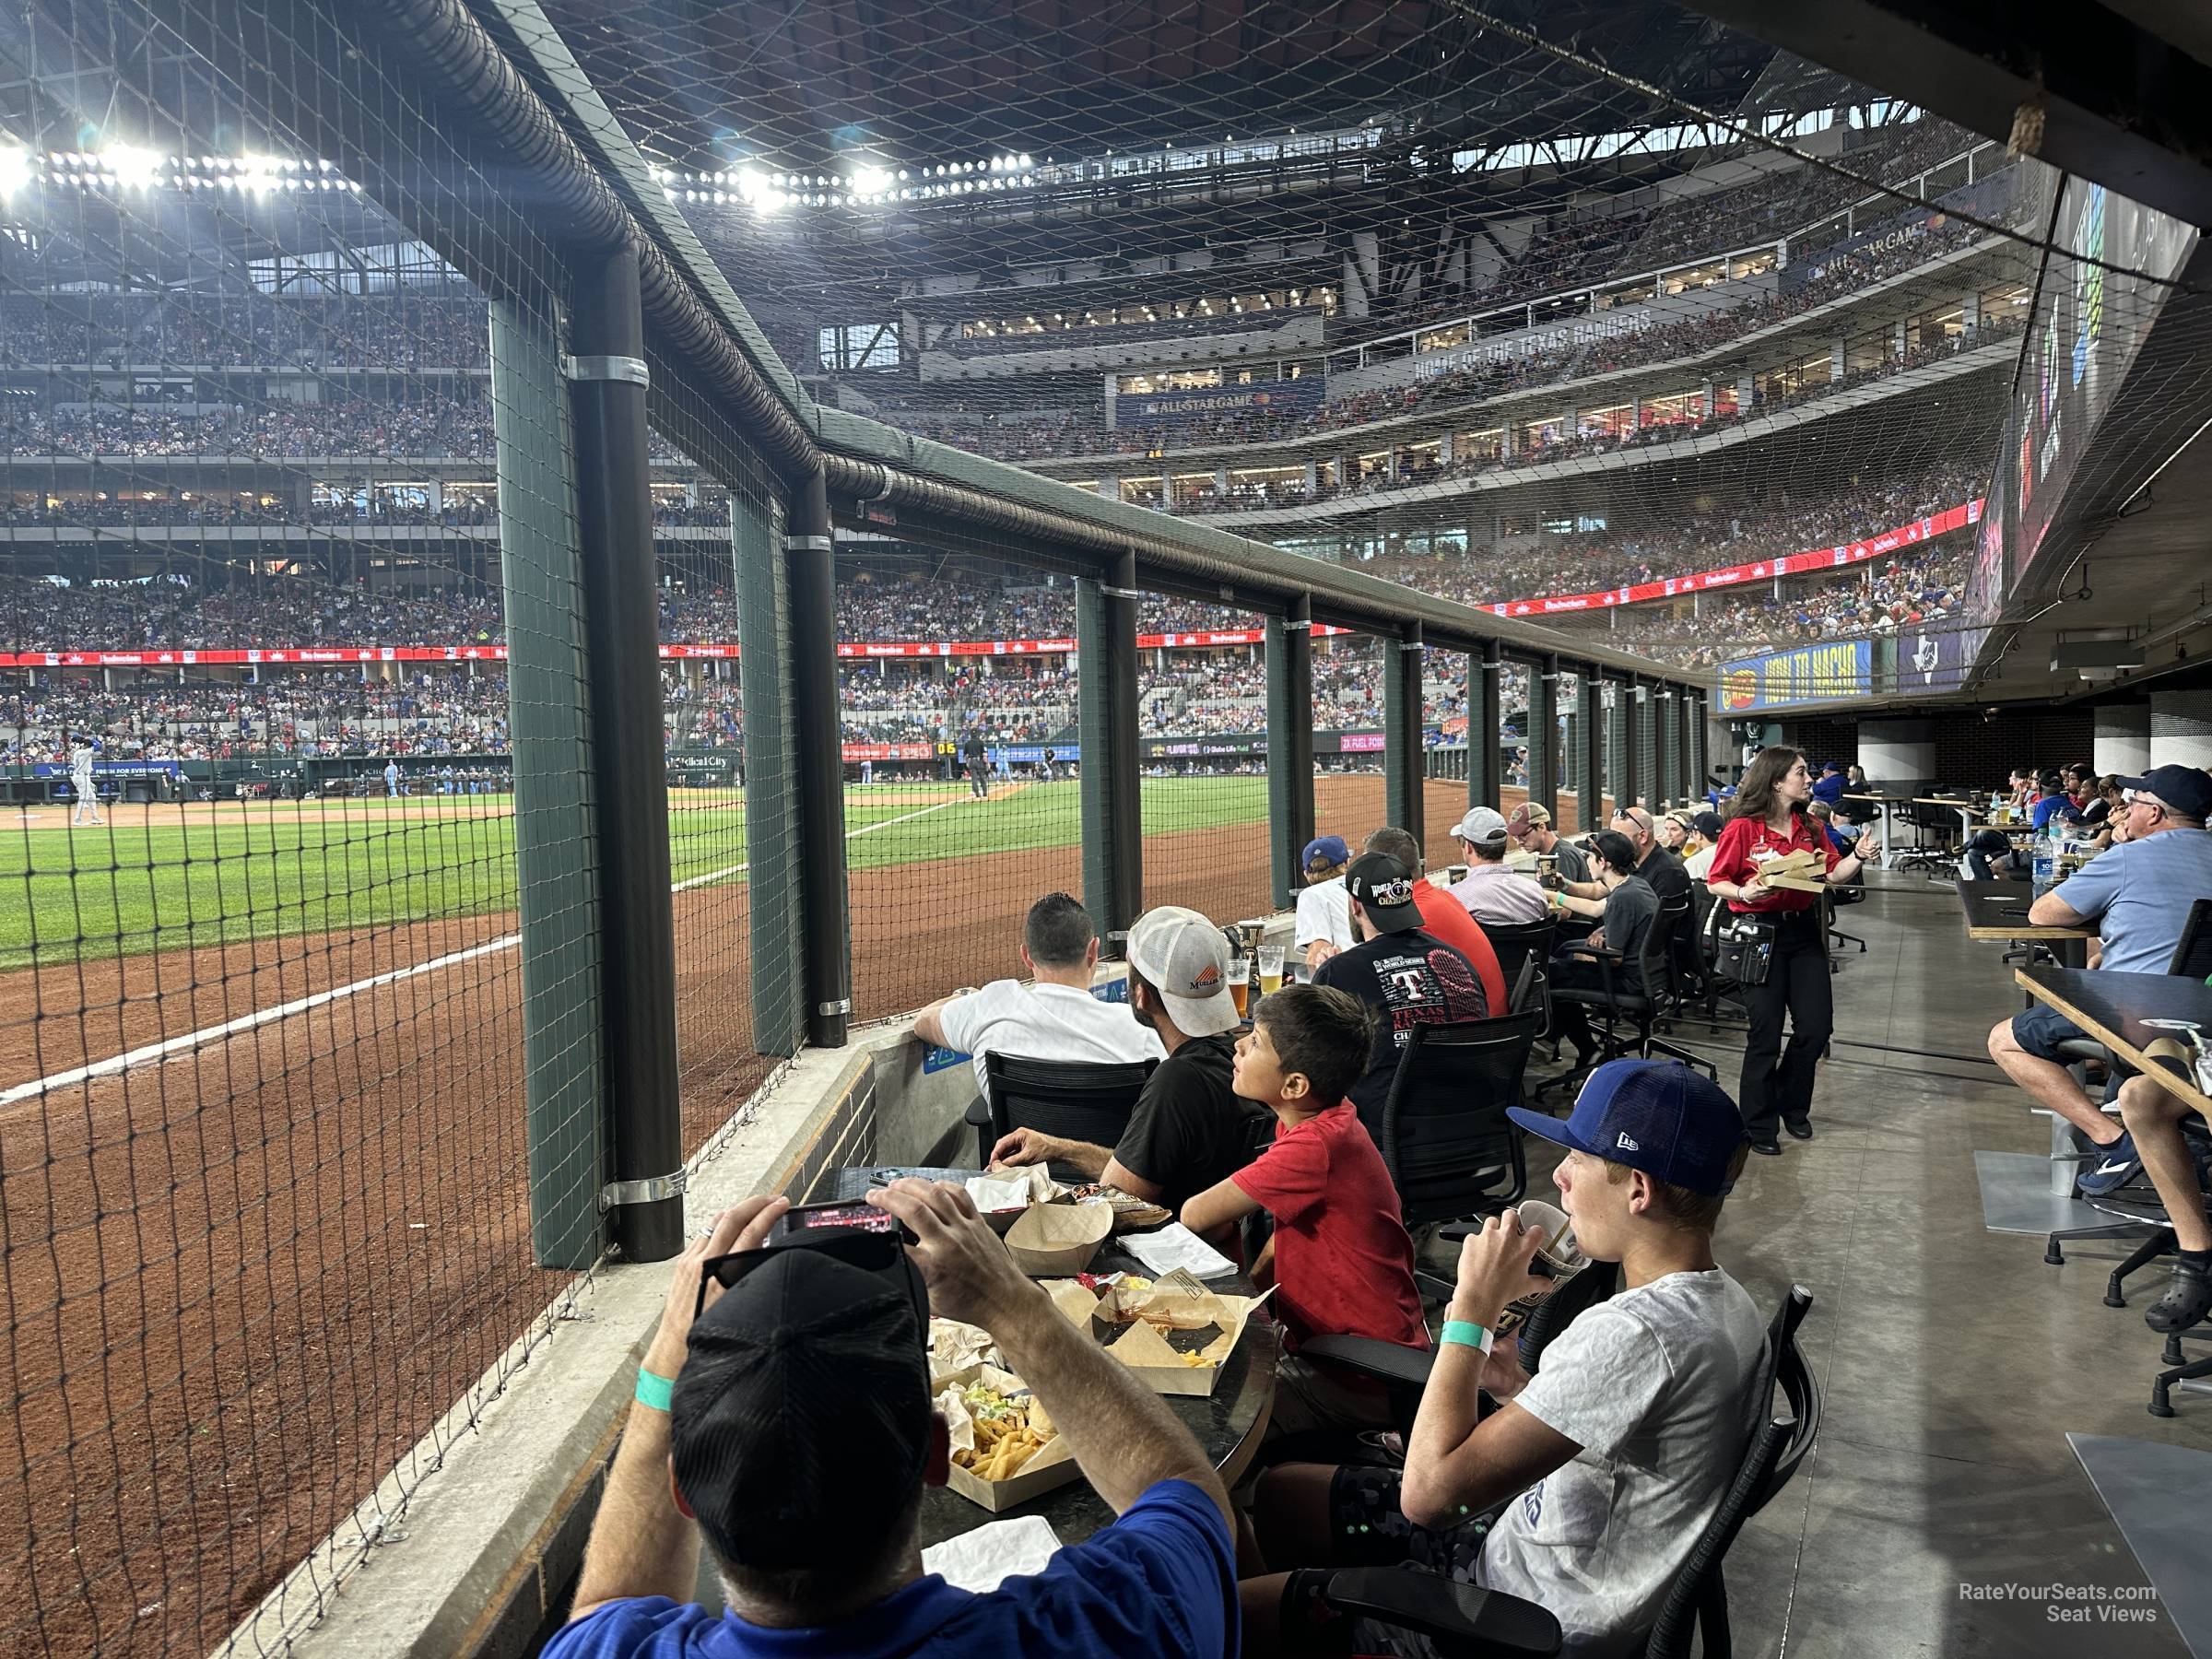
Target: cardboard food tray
x,y
1046,1471
1202,1327
1058,1239
1798,872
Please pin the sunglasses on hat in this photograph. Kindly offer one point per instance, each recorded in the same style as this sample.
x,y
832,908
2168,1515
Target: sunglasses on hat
x,y
867,1248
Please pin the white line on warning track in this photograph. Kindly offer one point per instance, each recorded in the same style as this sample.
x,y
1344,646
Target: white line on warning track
x,y
116,1064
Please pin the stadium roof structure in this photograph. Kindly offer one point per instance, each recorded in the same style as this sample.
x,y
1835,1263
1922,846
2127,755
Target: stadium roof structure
x,y
809,87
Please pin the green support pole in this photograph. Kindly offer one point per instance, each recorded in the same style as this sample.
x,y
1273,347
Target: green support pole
x,y
1401,731
1591,713
1668,723
1109,802
1543,733
1619,721
776,874
1486,723
1289,661
550,726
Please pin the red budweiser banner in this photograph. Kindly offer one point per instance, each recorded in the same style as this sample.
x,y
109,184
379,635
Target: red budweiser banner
x,y
1764,569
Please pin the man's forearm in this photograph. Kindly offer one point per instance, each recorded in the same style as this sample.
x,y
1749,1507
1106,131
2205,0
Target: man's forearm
x,y
1085,1159
640,1542
1124,1436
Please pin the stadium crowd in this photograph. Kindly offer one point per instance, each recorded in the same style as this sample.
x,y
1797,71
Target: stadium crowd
x,y
431,710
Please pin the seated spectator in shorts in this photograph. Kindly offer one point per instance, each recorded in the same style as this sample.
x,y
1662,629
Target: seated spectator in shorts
x,y
1586,1489
1625,914
1530,826
1325,912
1189,1131
1491,892
799,1436
1704,836
1408,975
1443,915
1055,1018
1340,1259
2154,1115
2138,894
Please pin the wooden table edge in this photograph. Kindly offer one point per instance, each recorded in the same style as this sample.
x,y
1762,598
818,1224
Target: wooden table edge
x,y
2174,1083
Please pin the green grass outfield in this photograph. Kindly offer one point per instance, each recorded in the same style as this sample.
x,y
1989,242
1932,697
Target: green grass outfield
x,y
172,878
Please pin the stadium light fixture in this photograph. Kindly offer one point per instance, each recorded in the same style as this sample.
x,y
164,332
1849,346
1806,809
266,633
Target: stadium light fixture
x,y
132,167
15,169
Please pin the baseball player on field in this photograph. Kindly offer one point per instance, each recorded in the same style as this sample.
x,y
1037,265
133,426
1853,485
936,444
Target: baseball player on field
x,y
83,785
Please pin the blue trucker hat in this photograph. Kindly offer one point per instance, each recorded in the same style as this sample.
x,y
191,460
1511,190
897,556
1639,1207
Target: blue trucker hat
x,y
1327,851
1660,1116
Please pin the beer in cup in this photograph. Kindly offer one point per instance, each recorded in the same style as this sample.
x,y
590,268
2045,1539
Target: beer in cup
x,y
1271,970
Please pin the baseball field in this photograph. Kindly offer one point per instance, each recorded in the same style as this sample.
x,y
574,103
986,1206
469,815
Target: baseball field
x,y
262,1159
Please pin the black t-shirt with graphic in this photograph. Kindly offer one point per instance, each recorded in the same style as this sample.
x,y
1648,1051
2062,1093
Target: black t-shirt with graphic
x,y
1412,979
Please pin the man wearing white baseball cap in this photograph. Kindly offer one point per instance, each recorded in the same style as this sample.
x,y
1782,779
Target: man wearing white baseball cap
x,y
1490,891
1188,1130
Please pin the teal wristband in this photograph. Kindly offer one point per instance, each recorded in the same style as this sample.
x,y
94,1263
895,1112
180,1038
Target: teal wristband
x,y
1467,1334
656,1391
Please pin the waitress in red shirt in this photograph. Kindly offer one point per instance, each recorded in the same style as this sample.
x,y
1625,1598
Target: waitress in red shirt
x,y
1770,821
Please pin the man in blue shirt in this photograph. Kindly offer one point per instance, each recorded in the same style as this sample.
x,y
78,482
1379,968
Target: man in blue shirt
x,y
2137,892
799,1435
1828,787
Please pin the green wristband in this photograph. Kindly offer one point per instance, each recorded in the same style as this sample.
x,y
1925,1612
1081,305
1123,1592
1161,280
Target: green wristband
x,y
656,1391
1467,1334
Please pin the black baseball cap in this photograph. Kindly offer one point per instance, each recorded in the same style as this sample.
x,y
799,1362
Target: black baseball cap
x,y
1384,888
2184,788
802,1415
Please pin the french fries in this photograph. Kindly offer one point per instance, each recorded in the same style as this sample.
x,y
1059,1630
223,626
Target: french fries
x,y
1009,1430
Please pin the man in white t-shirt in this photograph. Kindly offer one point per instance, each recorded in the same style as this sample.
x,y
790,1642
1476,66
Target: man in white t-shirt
x,y
1324,908
1586,1489
1055,1018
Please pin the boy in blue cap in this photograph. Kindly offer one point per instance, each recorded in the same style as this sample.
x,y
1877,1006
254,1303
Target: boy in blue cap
x,y
1586,1489
1324,908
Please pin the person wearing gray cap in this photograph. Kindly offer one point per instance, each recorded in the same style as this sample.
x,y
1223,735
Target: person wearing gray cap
x,y
784,1412
1490,890
1188,1130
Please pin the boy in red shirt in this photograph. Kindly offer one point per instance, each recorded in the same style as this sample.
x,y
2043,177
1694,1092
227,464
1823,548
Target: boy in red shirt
x,y
1340,1259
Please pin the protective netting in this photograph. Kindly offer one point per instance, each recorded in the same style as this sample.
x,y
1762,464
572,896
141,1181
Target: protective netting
x,y
263,1166
962,767
291,575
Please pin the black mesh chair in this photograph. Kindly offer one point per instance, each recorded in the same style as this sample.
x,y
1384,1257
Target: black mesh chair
x,y
1639,1011
1522,945
1931,854
1466,1620
1451,1151
1058,1097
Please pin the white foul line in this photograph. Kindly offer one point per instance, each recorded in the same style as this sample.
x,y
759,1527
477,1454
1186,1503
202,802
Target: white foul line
x,y
246,1022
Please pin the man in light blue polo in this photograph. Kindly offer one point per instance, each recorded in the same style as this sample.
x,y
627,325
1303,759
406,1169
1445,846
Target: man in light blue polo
x,y
2137,893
